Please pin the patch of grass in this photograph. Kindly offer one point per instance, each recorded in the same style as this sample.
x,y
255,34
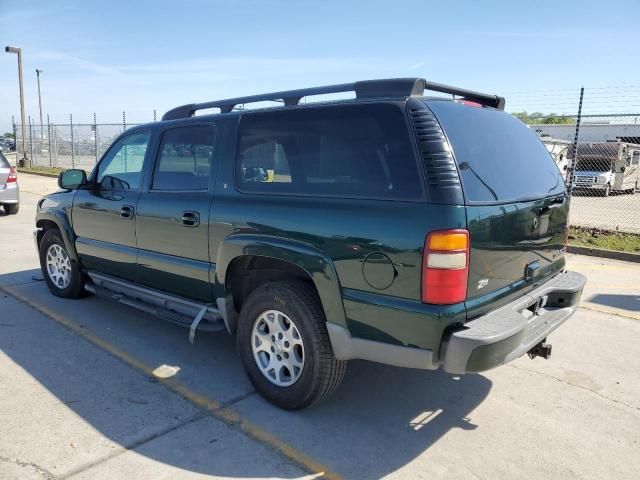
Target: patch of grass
x,y
592,237
53,171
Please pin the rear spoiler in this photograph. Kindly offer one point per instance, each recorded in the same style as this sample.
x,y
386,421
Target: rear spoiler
x,y
494,101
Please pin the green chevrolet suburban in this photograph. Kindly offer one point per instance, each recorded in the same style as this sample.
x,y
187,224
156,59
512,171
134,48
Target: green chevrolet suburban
x,y
417,231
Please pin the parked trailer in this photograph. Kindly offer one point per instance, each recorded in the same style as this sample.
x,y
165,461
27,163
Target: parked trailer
x,y
558,149
607,167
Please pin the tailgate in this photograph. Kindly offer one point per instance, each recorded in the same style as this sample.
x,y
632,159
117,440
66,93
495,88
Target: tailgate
x,y
515,245
515,200
5,168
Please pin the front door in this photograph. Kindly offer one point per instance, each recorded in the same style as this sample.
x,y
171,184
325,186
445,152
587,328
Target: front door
x,y
104,214
173,215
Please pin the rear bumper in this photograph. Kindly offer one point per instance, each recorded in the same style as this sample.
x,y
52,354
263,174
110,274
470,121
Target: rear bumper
x,y
10,193
512,330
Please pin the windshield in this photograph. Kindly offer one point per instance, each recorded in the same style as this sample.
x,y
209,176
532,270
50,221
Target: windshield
x,y
593,165
499,158
3,161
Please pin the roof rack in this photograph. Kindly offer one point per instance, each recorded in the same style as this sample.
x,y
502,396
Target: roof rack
x,y
387,88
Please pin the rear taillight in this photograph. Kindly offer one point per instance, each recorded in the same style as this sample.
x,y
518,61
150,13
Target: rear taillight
x,y
445,267
13,176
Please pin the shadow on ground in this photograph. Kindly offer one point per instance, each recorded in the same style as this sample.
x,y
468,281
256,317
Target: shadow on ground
x,y
379,420
618,300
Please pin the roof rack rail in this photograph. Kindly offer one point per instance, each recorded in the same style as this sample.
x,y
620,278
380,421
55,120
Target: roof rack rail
x,y
386,88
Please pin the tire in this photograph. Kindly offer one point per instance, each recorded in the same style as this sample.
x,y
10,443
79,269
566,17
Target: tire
x,y
11,208
76,280
321,372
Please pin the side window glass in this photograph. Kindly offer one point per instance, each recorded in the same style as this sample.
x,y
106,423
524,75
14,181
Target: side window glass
x,y
121,169
185,158
636,158
265,162
346,151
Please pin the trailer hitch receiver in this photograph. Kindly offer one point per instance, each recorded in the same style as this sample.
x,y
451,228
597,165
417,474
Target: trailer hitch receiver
x,y
542,349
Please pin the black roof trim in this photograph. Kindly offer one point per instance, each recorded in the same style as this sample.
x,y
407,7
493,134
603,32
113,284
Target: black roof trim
x,y
386,88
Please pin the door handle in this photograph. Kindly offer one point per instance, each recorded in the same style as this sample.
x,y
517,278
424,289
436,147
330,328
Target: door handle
x,y
190,219
126,211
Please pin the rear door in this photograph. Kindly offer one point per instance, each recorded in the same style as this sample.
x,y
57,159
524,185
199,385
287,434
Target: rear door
x,y
515,201
173,214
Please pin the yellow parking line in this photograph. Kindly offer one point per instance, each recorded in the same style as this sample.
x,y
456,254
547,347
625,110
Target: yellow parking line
x,y
600,266
630,316
214,408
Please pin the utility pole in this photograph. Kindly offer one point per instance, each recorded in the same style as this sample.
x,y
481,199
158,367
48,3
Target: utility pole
x,y
38,72
25,157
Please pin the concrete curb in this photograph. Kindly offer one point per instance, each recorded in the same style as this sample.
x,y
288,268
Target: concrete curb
x,y
40,174
600,252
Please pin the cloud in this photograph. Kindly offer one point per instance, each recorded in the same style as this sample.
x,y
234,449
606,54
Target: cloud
x,y
416,66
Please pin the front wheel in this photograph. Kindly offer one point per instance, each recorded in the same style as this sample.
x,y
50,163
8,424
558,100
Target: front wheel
x,y
63,276
284,345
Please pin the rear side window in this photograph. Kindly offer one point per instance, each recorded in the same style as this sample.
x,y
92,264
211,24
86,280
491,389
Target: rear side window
x,y
499,158
3,161
347,151
184,159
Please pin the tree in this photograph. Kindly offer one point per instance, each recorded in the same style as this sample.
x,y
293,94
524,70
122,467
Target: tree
x,y
538,118
8,135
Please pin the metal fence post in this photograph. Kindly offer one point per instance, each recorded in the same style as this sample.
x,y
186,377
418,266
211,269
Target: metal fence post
x,y
13,130
49,139
574,157
31,151
154,115
124,120
73,162
55,141
95,135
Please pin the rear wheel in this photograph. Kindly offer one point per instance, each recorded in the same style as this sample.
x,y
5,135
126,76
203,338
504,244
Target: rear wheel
x,y
63,275
284,345
11,208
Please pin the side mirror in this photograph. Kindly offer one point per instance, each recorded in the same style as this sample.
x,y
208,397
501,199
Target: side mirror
x,y
72,179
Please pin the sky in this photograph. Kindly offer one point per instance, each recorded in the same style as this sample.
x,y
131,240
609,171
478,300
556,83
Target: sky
x,y
137,56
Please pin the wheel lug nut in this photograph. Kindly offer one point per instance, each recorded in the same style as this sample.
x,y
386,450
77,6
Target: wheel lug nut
x,y
279,357
273,337
273,349
286,344
286,355
280,336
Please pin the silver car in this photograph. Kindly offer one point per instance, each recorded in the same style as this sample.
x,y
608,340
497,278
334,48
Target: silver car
x,y
9,190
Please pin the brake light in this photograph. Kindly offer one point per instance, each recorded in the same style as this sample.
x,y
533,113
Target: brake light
x,y
469,103
13,176
445,267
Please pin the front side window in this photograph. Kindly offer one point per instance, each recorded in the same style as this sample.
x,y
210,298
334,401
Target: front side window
x,y
636,158
185,158
347,150
121,168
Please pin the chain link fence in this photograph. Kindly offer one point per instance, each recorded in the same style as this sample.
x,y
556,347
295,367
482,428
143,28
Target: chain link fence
x,y
68,145
596,150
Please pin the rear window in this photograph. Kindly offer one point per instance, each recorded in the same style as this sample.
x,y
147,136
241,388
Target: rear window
x,y
347,151
499,158
3,161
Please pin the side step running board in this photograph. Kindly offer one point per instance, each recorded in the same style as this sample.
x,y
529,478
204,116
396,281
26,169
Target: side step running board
x,y
168,307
